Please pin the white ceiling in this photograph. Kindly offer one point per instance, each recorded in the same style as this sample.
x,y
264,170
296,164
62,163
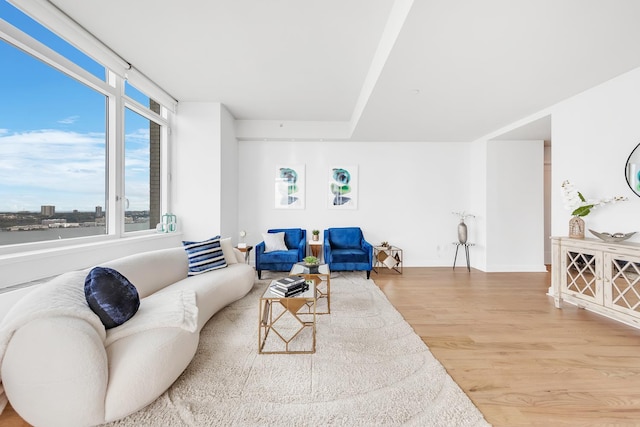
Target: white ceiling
x,y
453,70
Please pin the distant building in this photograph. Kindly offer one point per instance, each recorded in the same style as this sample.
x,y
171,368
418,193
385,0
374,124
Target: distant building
x,y
99,213
47,210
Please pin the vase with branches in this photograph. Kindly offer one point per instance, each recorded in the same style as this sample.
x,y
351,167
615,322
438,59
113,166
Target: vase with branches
x,y
581,207
462,226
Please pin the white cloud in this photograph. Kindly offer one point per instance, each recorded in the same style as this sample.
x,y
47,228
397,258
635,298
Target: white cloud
x,y
69,120
66,169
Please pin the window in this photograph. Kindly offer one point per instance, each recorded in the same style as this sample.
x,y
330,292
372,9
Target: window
x,y
64,161
142,172
52,153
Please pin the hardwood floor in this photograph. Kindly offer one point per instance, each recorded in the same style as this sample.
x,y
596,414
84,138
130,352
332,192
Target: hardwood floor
x,y
9,418
521,360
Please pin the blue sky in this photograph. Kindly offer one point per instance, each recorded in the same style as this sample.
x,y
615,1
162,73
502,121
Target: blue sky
x,y
52,132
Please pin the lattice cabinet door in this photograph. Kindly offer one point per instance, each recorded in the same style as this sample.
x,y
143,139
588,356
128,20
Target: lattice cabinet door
x,y
622,276
582,274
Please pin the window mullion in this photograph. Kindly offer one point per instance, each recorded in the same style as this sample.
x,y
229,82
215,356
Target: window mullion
x,y
135,106
116,158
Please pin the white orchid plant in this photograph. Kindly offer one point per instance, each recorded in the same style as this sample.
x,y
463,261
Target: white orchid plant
x,y
578,205
463,215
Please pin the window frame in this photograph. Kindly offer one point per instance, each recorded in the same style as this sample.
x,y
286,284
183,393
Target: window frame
x,y
112,87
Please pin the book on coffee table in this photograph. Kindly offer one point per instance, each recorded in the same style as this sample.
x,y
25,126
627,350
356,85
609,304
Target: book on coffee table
x,y
290,292
289,282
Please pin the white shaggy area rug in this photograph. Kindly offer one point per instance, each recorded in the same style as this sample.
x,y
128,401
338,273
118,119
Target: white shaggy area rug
x,y
369,369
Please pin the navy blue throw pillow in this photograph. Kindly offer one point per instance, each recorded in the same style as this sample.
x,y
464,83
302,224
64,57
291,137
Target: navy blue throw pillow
x,y
111,296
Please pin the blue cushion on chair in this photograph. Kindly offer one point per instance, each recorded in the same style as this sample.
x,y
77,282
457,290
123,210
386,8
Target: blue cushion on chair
x,y
281,256
346,238
111,296
292,238
350,255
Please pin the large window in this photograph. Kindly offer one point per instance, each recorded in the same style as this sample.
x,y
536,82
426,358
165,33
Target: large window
x,y
76,140
142,172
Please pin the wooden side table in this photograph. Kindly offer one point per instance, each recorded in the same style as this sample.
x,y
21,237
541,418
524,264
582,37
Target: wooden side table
x,y
246,251
316,248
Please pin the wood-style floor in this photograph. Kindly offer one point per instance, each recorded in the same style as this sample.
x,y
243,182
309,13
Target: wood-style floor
x,y
520,360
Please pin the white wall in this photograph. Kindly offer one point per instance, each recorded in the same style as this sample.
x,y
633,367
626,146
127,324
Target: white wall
x,y
407,192
197,175
477,226
229,191
593,134
547,204
515,206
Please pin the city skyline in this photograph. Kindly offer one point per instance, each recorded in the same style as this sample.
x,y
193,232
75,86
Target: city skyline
x,y
94,209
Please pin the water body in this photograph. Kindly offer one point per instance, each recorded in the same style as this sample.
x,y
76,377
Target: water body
x,y
17,237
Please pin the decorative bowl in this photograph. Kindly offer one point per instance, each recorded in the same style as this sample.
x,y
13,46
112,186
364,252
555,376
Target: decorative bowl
x,y
615,237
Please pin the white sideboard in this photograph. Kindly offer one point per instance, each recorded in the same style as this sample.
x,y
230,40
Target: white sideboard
x,y
599,276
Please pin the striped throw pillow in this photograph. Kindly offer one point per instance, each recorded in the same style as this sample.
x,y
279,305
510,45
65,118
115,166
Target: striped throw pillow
x,y
204,256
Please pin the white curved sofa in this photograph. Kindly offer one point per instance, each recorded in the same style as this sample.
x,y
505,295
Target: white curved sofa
x,y
60,368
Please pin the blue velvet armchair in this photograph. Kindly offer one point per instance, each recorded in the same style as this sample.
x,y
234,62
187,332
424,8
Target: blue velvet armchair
x,y
282,260
345,249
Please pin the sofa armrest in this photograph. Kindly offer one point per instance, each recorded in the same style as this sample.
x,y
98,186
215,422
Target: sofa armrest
x,y
51,362
260,247
259,252
239,256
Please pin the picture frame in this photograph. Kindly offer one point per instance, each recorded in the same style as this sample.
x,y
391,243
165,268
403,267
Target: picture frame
x,y
289,189
342,188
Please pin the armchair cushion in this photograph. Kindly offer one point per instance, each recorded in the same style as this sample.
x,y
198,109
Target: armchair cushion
x,y
349,255
346,238
281,256
274,242
294,237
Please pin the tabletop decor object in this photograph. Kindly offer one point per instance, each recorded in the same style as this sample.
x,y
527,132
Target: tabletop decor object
x,y
311,260
581,207
612,237
462,227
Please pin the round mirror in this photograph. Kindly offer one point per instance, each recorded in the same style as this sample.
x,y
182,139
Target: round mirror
x,y
632,170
